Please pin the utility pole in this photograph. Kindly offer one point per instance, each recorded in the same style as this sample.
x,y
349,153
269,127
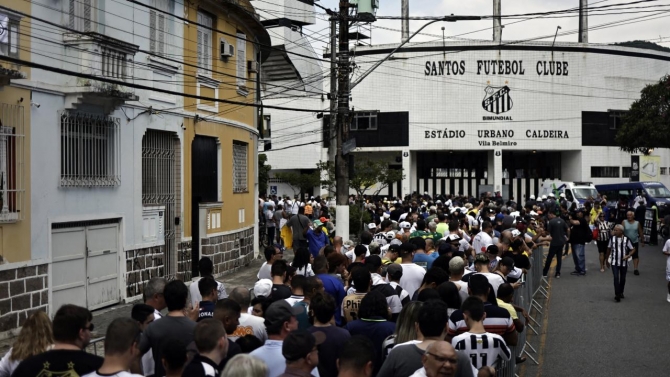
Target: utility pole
x,y
341,163
332,128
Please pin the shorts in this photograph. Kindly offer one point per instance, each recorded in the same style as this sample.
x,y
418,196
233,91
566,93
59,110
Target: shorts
x,y
667,270
636,245
602,246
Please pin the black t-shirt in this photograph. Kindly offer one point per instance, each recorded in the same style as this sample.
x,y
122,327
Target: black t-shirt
x,y
329,350
520,260
59,363
233,349
201,366
639,213
578,232
280,292
206,310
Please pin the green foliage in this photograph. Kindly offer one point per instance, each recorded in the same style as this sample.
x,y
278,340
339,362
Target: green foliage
x,y
647,123
263,173
327,169
358,218
300,182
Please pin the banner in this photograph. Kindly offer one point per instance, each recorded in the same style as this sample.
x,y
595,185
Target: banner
x,y
634,168
650,168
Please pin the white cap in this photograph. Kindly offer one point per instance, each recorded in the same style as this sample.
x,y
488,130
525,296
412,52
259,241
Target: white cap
x,y
390,235
405,225
551,195
532,197
544,197
386,215
263,287
562,195
372,226
453,237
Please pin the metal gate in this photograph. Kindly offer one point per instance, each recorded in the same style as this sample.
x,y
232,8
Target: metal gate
x,y
158,185
85,264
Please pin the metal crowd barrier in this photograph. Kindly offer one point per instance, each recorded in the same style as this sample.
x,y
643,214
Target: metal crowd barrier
x,y
529,296
96,347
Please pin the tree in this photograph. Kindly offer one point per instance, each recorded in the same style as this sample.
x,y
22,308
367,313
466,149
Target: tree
x,y
263,173
647,124
370,177
300,182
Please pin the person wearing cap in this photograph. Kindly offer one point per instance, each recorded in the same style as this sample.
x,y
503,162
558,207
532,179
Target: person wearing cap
x,y
374,265
301,353
392,254
280,320
412,274
531,202
483,239
497,320
394,273
316,238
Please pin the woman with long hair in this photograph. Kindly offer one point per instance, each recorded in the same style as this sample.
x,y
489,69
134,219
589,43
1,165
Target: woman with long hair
x,y
36,337
405,327
302,261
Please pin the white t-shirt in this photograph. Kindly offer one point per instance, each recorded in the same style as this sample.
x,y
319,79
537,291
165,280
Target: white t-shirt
x,y
264,271
666,248
637,201
481,241
195,292
119,374
495,280
250,325
462,289
412,276
305,271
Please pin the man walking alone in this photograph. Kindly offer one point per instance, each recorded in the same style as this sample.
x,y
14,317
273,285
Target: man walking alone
x,y
619,252
559,231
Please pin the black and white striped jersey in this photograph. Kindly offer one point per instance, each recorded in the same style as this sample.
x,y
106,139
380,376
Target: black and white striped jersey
x,y
483,349
620,246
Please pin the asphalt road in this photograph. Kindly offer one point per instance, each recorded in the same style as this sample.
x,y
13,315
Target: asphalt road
x,y
589,334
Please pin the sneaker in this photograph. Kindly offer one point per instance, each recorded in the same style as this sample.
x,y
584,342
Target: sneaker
x,y
558,276
636,272
617,299
621,296
575,273
582,273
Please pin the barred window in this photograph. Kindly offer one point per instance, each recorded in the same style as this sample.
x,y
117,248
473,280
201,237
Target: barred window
x,y
604,172
664,171
89,150
11,163
240,166
625,172
114,63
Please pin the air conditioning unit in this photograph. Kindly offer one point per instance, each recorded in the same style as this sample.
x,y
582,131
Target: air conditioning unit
x,y
252,66
227,50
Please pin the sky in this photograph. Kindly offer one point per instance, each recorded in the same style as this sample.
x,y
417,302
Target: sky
x,y
653,27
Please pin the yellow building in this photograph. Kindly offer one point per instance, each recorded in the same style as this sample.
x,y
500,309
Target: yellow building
x,y
21,279
221,140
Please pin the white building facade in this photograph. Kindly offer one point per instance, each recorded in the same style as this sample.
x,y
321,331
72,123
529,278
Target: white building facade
x,y
469,114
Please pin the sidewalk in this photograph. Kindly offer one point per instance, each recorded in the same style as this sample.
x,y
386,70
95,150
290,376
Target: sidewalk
x,y
587,333
245,276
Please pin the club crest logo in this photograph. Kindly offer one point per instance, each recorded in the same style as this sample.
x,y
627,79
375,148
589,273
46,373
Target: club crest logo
x,y
497,99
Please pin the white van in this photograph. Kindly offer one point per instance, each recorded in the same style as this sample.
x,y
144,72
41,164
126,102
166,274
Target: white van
x,y
575,192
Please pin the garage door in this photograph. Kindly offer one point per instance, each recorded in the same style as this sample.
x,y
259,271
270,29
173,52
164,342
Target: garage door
x,y
85,264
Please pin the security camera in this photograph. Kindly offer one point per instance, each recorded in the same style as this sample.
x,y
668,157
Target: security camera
x,y
183,127
35,104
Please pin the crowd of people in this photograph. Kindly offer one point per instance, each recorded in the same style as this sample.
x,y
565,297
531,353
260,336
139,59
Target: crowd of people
x,y
426,291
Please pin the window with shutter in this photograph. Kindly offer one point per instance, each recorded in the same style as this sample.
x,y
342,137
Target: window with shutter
x,y
161,34
204,42
152,30
241,61
80,14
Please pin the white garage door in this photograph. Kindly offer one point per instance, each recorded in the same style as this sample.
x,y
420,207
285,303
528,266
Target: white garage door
x,y
85,265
